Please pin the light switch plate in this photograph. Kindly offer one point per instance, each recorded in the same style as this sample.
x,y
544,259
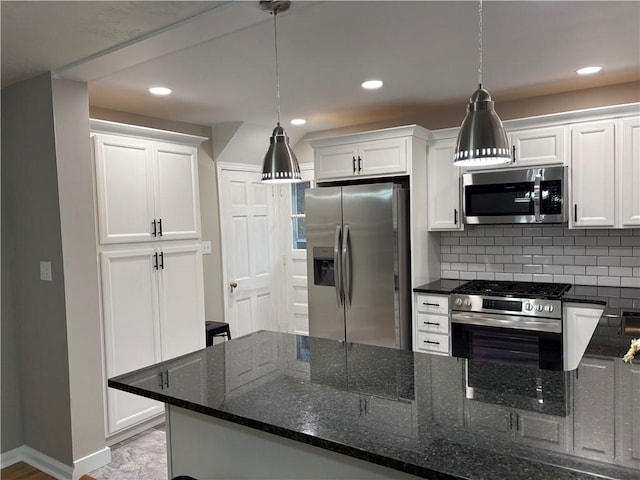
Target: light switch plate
x,y
206,247
45,271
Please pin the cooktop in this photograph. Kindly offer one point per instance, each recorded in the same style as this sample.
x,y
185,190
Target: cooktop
x,y
498,288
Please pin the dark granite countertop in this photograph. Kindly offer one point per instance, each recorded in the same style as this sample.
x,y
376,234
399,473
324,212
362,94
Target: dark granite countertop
x,y
424,414
442,286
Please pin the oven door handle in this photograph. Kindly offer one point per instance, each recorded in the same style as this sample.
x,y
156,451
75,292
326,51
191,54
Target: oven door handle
x,y
512,321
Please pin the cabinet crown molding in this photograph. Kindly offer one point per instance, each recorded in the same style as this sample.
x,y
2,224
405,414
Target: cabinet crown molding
x,y
553,119
384,133
105,126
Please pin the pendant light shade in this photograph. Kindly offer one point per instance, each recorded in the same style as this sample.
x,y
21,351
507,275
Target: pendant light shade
x,y
482,139
280,164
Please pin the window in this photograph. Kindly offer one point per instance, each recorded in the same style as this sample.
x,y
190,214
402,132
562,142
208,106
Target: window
x,y
298,222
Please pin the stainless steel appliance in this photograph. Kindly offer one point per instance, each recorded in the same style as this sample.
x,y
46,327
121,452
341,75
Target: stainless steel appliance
x,y
518,323
532,195
358,264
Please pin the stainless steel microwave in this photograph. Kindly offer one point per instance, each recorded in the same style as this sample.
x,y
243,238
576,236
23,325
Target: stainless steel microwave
x,y
531,195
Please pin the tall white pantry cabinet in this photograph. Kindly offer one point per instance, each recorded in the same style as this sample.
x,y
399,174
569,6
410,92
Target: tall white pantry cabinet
x,y
150,256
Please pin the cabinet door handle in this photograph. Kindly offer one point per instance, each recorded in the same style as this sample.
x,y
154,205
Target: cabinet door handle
x,y
159,227
513,154
353,162
575,212
161,260
429,341
155,261
517,422
455,216
155,228
359,163
510,420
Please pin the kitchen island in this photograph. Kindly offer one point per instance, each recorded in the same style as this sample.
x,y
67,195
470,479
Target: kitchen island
x,y
273,405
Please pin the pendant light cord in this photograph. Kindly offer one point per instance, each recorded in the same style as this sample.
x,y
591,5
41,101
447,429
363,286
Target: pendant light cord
x,y
480,42
275,29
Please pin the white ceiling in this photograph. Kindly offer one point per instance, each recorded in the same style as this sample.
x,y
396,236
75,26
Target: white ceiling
x,y
219,56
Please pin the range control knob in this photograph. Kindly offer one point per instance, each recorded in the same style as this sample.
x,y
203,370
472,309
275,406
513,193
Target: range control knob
x,y
458,301
548,308
528,307
538,308
467,303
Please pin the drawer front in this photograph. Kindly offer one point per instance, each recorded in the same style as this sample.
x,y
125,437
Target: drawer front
x,y
433,342
433,323
432,304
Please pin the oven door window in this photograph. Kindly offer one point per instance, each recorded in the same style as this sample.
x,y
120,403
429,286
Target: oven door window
x,y
499,199
508,346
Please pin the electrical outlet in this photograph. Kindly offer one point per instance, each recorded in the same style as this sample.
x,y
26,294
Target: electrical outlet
x,y
45,271
206,247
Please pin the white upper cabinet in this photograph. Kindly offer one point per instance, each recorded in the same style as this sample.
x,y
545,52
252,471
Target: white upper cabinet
x,y
147,189
372,154
592,175
176,201
124,174
605,173
629,173
540,146
443,186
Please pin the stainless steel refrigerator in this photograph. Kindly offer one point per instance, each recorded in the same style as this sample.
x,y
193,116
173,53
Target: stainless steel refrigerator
x,y
358,264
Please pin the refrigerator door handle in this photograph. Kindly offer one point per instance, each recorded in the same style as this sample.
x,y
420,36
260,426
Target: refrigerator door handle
x,y
337,268
347,271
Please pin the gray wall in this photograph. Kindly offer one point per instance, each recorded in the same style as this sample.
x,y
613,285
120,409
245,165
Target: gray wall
x,y
604,257
11,399
77,217
32,227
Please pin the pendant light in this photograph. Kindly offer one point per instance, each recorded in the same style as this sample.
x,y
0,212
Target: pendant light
x,y
280,163
482,139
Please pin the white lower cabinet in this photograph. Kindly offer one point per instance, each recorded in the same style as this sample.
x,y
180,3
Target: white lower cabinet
x,y
153,310
431,332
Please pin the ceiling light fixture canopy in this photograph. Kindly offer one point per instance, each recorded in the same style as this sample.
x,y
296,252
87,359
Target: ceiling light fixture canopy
x,y
280,164
482,139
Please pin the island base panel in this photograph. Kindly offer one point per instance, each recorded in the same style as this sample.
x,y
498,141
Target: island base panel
x,y
209,448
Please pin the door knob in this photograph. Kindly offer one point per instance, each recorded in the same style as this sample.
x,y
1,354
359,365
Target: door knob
x,y
233,285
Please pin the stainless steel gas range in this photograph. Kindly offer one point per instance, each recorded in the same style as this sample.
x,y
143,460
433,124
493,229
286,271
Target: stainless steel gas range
x,y
517,323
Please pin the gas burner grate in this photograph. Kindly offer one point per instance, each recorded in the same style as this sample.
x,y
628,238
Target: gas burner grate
x,y
505,288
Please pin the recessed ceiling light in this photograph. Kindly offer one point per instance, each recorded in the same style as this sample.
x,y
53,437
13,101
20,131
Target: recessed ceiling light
x,y
298,121
588,70
372,84
160,90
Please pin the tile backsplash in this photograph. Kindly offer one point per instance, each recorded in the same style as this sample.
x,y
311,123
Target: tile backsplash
x,y
542,254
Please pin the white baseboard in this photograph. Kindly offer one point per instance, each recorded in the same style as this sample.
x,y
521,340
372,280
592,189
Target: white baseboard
x,y
11,457
38,460
91,462
52,466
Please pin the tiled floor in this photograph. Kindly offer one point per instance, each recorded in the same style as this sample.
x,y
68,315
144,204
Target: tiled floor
x,y
142,457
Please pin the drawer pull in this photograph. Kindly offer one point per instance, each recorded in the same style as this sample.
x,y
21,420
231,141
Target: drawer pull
x,y
429,341
431,304
431,323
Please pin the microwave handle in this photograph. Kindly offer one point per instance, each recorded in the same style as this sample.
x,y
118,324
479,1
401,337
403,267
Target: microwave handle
x,y
536,196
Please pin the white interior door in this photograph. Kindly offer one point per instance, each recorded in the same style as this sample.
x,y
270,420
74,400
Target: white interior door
x,y
294,249
248,249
